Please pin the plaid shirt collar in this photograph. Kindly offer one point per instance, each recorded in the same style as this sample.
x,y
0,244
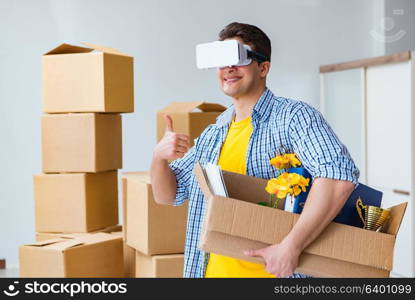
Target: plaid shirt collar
x,y
260,112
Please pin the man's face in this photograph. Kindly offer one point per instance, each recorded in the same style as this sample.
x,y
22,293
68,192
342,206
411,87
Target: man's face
x,y
243,80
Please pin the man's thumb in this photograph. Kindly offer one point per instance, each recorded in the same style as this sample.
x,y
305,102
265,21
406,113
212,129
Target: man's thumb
x,y
169,122
252,252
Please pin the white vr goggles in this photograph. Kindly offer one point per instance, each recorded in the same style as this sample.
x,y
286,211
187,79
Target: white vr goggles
x,y
227,53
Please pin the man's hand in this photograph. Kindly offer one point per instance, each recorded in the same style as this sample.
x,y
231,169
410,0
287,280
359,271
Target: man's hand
x,y
280,259
173,145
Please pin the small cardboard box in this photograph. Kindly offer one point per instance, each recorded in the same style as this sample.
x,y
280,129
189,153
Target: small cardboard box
x,y
73,255
159,266
81,142
128,252
87,79
189,118
149,227
234,224
76,202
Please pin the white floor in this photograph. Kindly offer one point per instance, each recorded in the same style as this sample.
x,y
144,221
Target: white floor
x,y
10,272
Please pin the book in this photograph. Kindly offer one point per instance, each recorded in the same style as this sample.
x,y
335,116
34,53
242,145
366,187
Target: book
x,y
348,214
296,204
214,176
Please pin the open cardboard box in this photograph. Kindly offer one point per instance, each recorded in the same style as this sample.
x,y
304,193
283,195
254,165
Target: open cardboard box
x,y
116,230
234,224
73,255
189,118
87,79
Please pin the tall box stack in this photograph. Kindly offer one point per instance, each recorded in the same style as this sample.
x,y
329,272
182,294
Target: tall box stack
x,y
155,234
84,91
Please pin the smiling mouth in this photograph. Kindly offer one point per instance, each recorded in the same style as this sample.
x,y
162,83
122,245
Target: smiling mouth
x,y
232,79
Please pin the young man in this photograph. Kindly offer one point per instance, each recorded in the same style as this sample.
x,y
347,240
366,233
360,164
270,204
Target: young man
x,y
255,128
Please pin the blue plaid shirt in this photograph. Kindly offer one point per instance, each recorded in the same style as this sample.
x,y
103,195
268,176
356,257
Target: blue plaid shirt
x,y
280,125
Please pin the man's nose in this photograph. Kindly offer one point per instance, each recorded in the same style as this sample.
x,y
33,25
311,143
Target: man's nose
x,y
230,69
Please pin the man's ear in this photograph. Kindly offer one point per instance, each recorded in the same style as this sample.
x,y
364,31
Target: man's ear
x,y
264,68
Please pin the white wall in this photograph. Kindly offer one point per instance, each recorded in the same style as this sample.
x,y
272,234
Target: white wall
x,y
161,35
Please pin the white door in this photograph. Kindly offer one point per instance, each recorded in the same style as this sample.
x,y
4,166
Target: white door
x,y
389,126
343,106
404,256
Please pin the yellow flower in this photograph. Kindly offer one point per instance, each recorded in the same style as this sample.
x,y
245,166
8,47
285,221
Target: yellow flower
x,y
287,183
272,186
285,161
293,160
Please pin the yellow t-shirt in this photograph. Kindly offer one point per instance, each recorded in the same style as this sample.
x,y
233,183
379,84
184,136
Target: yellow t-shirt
x,y
233,158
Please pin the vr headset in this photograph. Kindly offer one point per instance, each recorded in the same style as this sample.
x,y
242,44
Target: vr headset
x,y
227,53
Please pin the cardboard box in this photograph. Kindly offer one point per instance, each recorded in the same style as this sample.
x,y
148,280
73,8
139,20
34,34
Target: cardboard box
x,y
159,266
81,142
87,79
116,230
234,224
149,227
73,255
189,118
77,202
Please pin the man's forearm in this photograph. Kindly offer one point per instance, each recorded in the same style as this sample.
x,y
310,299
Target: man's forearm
x,y
326,198
163,181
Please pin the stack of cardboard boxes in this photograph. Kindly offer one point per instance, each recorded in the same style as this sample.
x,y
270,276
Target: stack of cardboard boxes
x,y
76,197
155,234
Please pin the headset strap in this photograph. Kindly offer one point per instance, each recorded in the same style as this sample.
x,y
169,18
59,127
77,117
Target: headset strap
x,y
257,56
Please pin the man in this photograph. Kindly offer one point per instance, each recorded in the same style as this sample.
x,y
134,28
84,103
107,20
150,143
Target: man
x,y
255,128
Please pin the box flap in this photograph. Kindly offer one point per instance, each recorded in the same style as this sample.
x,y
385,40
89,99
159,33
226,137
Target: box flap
x,y
57,243
66,49
66,244
201,179
247,188
104,49
397,213
93,237
45,242
187,107
111,229
211,107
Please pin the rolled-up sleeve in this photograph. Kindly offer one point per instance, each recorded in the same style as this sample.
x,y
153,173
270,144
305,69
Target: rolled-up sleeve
x,y
318,147
182,168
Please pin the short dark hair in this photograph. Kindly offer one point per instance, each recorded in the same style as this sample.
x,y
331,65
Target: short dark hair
x,y
250,34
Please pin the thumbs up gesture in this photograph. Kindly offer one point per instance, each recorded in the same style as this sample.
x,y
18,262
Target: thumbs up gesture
x,y
173,145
